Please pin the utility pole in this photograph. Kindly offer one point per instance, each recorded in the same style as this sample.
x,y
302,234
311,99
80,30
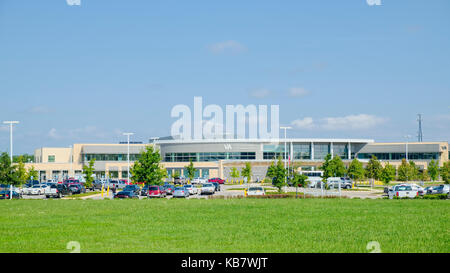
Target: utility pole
x,y
285,128
11,148
128,154
419,133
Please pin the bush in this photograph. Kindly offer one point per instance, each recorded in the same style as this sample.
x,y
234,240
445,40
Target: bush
x,y
436,196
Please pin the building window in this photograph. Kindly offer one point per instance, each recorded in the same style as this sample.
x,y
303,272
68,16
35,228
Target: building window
x,y
321,150
340,150
51,158
208,157
302,151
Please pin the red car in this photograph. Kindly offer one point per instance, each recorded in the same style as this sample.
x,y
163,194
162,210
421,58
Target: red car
x,y
217,180
156,191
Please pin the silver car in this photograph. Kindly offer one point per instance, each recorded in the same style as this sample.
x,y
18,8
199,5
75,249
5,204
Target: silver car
x,y
191,188
181,192
208,188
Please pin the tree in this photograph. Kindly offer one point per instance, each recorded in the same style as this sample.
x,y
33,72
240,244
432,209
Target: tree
x,y
176,174
337,167
88,171
433,170
247,171
403,171
7,170
25,158
424,176
413,171
298,180
234,172
32,173
147,168
374,168
20,173
279,173
327,168
445,172
190,170
388,173
271,171
356,170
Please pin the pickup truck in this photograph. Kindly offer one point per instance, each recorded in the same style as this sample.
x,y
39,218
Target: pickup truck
x,y
58,190
402,191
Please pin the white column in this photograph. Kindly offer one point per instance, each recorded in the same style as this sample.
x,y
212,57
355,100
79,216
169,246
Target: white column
x,y
349,149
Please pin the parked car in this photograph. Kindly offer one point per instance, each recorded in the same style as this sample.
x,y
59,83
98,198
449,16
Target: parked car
x,y
6,195
207,188
418,188
134,188
179,181
181,192
216,186
144,191
199,180
58,190
441,189
97,185
118,184
345,183
77,189
402,191
156,191
192,189
216,179
169,189
126,194
38,189
255,191
69,182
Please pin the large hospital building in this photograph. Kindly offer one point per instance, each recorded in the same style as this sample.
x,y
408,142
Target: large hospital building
x,y
215,158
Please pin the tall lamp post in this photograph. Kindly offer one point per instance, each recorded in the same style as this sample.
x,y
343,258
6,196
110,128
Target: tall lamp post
x,y
285,128
407,137
11,123
128,154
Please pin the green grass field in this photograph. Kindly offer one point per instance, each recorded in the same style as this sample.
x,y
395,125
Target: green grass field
x,y
236,225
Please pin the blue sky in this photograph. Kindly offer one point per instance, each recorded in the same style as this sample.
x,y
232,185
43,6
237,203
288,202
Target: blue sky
x,y
75,74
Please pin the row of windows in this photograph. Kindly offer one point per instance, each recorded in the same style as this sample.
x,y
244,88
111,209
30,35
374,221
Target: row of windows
x,y
110,157
400,156
203,157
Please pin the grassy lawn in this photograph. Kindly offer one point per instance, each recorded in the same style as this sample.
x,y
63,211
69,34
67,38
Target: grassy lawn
x,y
236,225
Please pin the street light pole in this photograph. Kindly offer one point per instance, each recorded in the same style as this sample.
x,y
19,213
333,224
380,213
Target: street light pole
x,y
10,147
11,136
128,154
407,137
285,128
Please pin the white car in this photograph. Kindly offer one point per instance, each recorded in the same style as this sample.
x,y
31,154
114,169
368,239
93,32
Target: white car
x,y
402,191
192,190
256,191
207,188
418,188
199,181
38,189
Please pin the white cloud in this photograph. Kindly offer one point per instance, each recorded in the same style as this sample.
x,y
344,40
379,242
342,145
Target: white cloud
x,y
298,92
350,122
53,134
227,46
39,109
305,123
260,93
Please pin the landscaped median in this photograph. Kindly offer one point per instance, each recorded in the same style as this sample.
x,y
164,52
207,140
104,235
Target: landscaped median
x,y
235,225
